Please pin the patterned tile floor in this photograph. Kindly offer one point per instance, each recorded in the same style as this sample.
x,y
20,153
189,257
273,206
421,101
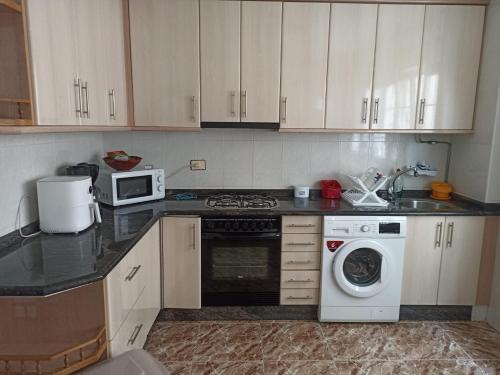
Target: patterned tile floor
x,y
304,347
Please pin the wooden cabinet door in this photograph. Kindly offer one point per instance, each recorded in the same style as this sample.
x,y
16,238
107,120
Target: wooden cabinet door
x,y
111,18
304,64
350,67
450,65
462,243
397,64
182,262
52,42
165,62
90,61
260,61
220,60
424,243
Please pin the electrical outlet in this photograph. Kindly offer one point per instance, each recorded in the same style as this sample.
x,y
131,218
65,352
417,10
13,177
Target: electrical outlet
x,y
198,165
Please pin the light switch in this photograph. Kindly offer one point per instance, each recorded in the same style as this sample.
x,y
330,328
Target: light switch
x,y
198,165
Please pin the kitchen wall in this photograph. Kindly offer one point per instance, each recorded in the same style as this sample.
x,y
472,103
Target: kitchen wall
x,y
26,158
267,159
475,163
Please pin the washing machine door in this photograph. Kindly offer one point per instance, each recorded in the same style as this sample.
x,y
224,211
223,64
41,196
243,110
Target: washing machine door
x,y
363,268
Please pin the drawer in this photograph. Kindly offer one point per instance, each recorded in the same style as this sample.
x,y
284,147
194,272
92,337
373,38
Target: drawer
x,y
134,330
299,296
301,224
123,287
300,260
300,279
301,242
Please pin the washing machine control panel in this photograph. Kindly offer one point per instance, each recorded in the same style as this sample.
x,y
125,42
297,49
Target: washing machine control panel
x,y
364,227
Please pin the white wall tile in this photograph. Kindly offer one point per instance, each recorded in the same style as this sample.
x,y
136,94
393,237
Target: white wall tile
x,y
296,163
267,164
238,164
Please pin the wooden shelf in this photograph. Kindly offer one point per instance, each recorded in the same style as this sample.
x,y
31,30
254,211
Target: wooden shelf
x,y
15,100
7,122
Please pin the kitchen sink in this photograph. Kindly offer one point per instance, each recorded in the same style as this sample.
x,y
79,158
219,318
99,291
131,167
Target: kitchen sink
x,y
425,204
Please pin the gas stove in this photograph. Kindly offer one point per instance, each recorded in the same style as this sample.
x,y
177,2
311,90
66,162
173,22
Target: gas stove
x,y
241,201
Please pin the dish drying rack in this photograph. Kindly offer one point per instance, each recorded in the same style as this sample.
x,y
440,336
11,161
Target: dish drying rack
x,y
363,195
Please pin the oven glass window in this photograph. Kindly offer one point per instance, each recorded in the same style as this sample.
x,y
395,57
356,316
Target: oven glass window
x,y
240,263
362,267
134,187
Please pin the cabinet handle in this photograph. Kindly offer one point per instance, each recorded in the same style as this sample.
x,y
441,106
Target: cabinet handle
x,y
283,117
364,111
194,236
244,103
301,225
298,262
301,244
292,297
421,112
439,232
135,333
78,97
449,235
233,103
193,108
112,104
85,110
375,111
132,273
299,281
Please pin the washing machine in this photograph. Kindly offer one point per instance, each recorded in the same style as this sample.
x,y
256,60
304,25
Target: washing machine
x,y
362,268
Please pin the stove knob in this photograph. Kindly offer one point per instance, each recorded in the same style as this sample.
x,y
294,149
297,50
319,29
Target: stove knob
x,y
245,225
227,226
236,225
211,225
253,225
365,228
270,225
262,225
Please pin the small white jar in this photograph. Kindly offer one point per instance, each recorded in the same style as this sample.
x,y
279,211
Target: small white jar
x,y
301,191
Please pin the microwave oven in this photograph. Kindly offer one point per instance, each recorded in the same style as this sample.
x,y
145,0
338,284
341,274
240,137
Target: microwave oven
x,y
122,188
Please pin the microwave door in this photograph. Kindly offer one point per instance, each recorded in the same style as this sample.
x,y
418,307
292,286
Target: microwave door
x,y
129,188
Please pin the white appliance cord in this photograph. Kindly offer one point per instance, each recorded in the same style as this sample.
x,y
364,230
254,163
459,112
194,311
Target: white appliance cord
x,y
18,218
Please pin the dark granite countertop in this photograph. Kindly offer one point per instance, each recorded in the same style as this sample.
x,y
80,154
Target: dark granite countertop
x,y
48,264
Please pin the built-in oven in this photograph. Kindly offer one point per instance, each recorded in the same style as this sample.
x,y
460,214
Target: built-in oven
x,y
241,261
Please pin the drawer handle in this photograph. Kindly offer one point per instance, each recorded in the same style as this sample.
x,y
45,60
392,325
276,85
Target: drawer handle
x,y
292,297
301,225
132,273
298,262
301,243
299,281
132,338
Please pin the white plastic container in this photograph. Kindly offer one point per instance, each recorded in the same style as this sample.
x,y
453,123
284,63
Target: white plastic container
x,y
301,191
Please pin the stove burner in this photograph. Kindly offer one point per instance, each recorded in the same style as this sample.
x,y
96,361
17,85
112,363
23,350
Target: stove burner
x,y
237,201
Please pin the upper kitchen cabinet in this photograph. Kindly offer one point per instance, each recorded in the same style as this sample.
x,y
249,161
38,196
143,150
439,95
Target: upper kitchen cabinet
x,y
350,66
240,61
165,62
220,60
260,61
397,65
304,64
450,64
15,99
73,76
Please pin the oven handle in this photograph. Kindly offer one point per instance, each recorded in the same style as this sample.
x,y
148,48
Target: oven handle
x,y
241,237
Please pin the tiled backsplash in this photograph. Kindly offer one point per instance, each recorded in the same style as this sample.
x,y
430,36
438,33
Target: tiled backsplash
x,y
26,158
267,159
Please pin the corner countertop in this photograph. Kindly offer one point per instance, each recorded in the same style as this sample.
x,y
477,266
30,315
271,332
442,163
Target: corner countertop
x,y
48,264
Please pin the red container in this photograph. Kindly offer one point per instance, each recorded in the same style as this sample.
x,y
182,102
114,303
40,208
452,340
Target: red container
x,y
122,165
330,189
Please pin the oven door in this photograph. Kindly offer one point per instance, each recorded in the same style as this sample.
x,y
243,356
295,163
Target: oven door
x,y
240,269
133,189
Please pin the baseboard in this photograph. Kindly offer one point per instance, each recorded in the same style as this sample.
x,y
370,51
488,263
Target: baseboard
x,y
493,318
479,313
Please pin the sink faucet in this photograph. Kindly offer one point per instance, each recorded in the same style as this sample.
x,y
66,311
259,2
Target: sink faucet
x,y
392,194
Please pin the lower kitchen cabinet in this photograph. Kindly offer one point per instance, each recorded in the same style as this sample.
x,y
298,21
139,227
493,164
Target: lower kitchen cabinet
x,y
133,294
300,260
442,260
182,262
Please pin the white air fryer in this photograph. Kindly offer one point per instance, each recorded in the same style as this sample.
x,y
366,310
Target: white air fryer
x,y
66,204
